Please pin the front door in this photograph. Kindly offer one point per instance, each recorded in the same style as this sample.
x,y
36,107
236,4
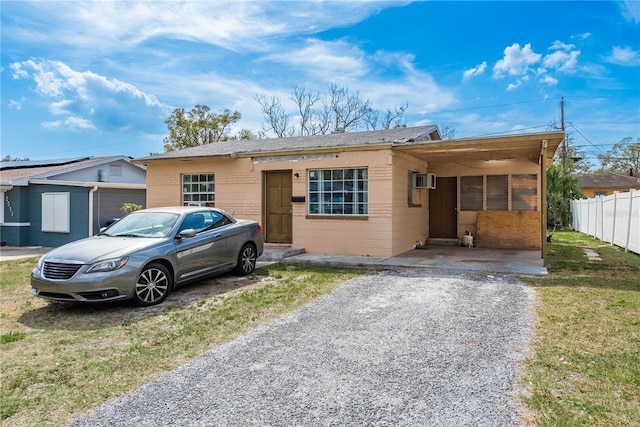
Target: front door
x,y
278,207
443,218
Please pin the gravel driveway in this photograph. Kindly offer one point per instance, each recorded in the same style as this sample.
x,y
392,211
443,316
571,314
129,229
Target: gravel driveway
x,y
399,347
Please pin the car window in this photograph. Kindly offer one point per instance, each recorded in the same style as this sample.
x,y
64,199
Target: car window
x,y
205,220
144,224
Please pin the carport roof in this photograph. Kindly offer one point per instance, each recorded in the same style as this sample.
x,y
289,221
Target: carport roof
x,y
506,147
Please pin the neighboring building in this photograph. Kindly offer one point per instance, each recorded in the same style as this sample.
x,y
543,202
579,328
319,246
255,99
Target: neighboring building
x,y
604,184
53,202
373,193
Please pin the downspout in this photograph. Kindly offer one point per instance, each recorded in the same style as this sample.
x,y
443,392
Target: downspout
x,y
93,190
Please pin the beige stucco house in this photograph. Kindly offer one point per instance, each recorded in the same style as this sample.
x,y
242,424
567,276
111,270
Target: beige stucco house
x,y
373,193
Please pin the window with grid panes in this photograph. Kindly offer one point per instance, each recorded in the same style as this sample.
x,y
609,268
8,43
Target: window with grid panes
x,y
338,191
524,192
198,189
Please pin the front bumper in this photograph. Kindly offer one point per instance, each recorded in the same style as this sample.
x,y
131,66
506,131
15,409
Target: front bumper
x,y
93,287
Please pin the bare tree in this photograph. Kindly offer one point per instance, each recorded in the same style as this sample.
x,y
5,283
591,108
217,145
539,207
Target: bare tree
x,y
447,131
277,118
337,111
392,118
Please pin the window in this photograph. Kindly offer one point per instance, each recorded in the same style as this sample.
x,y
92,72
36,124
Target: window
x,y
198,190
204,221
56,212
410,188
524,192
471,195
497,192
338,192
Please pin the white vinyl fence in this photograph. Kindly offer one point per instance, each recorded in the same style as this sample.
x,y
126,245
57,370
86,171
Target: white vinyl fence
x,y
614,219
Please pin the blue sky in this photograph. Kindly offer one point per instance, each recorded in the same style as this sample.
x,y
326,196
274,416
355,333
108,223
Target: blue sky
x,y
99,78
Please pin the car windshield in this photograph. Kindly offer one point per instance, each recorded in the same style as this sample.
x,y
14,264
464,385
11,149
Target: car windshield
x,y
143,224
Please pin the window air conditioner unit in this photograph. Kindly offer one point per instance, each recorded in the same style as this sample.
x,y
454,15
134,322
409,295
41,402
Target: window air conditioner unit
x,y
424,180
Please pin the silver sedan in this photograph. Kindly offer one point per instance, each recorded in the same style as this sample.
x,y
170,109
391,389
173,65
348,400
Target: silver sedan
x,y
147,254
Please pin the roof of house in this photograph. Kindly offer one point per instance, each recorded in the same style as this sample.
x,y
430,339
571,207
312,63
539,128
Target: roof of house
x,y
608,180
31,169
301,143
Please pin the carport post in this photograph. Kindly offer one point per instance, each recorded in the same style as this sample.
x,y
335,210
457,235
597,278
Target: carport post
x,y
543,201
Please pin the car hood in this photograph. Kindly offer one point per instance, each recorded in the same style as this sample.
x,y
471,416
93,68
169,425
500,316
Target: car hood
x,y
99,248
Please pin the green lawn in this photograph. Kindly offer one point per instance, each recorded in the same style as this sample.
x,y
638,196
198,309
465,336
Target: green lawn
x,y
585,369
59,360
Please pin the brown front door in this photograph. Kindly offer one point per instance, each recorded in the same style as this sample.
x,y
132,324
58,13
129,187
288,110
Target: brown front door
x,y
443,219
278,207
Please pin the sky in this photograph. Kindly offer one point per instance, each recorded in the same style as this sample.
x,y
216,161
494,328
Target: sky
x,y
98,78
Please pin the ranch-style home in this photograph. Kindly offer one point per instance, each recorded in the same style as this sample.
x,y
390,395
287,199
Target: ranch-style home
x,y
56,201
373,193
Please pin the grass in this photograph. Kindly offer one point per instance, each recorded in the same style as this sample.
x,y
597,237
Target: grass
x,y
60,360
585,367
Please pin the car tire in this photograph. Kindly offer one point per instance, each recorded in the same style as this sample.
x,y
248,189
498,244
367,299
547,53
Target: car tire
x,y
153,285
246,260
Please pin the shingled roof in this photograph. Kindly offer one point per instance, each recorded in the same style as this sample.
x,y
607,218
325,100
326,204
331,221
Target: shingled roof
x,y
335,140
608,180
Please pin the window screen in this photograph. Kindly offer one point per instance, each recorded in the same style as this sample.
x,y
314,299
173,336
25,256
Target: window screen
x,y
471,193
497,192
524,192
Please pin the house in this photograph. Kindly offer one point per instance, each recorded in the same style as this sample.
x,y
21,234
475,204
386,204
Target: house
x,y
604,184
53,202
373,193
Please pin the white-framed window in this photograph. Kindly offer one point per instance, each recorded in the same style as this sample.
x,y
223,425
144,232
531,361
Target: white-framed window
x,y
339,191
56,211
198,189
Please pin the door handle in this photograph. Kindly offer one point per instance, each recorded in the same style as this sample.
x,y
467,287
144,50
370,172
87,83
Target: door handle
x,y
455,211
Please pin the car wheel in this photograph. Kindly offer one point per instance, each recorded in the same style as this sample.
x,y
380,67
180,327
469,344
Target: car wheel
x,y
153,285
246,260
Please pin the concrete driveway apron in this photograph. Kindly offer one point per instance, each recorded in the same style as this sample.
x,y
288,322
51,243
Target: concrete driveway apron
x,y
398,347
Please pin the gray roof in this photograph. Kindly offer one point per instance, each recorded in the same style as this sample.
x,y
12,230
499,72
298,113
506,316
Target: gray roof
x,y
608,180
334,140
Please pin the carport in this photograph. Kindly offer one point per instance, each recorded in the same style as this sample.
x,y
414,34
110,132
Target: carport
x,y
489,158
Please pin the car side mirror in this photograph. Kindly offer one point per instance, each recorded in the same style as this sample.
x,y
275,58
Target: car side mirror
x,y
189,232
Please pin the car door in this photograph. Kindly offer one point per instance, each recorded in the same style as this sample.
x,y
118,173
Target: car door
x,y
204,253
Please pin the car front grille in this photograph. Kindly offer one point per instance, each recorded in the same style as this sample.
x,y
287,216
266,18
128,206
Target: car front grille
x,y
59,271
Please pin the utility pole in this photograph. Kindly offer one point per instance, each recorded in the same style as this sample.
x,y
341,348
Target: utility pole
x,y
564,138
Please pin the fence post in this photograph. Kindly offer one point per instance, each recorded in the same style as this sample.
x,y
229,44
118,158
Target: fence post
x,y
626,247
615,209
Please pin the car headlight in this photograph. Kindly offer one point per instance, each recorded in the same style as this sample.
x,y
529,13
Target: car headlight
x,y
40,263
109,265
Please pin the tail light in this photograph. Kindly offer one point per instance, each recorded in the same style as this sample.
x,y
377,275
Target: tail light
x,y
259,228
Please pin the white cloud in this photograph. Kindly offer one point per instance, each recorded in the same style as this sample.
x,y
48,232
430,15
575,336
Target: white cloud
x,y
582,36
517,61
475,71
558,45
71,123
630,10
234,25
561,60
90,100
17,105
513,86
325,59
625,56
547,79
